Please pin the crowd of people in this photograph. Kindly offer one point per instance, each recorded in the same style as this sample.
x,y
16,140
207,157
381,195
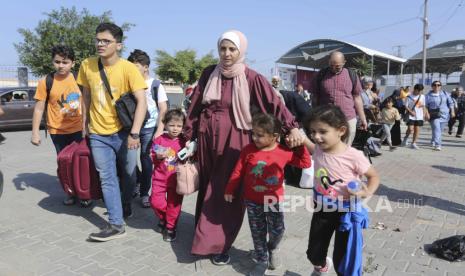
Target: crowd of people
x,y
246,131
415,107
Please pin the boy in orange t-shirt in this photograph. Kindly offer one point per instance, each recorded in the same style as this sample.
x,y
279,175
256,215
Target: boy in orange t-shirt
x,y
63,104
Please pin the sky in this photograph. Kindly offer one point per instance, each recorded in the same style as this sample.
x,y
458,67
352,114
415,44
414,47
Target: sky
x,y
272,27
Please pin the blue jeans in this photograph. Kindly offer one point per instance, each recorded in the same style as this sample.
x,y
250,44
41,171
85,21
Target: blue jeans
x,y
146,136
60,141
111,152
437,126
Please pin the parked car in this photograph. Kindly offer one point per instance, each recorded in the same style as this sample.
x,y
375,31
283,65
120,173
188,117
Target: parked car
x,y
18,105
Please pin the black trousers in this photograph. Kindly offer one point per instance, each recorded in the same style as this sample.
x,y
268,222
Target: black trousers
x,y
323,225
461,118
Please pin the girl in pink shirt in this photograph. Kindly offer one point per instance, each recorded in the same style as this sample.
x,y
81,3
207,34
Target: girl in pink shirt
x,y
165,202
336,164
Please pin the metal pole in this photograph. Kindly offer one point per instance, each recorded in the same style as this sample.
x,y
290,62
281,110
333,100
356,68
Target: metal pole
x,y
372,64
425,37
401,74
388,67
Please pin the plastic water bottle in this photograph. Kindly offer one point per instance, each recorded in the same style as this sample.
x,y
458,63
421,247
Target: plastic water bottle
x,y
354,186
306,180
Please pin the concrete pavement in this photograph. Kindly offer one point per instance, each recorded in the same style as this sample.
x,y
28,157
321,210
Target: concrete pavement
x,y
40,236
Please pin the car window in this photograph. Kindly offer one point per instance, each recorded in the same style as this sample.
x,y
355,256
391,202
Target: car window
x,y
7,97
20,95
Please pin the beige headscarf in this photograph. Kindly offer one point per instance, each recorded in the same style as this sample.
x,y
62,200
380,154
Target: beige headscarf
x,y
240,93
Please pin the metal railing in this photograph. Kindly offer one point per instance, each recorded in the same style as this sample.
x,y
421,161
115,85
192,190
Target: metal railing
x,y
16,75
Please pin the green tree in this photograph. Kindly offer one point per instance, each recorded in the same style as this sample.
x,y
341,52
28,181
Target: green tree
x,y
363,66
183,67
66,27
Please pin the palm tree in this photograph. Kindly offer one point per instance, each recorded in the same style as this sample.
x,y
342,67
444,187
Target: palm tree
x,y
363,66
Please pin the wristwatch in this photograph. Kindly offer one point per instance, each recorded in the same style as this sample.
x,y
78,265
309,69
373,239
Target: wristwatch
x,y
134,135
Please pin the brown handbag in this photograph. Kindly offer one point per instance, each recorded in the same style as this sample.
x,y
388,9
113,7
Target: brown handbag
x,y
187,175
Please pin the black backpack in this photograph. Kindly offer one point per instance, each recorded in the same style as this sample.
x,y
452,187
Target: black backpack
x,y
154,90
322,73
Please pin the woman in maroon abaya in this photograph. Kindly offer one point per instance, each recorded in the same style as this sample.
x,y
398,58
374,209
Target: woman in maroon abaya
x,y
219,117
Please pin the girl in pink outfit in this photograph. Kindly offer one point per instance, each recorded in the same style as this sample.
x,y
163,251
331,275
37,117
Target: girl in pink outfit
x,y
165,202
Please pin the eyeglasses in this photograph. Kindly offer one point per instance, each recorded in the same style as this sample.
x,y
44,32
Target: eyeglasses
x,y
104,42
436,84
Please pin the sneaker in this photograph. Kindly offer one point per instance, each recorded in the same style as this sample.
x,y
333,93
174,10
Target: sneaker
x,y
160,228
437,148
221,259
259,269
414,146
392,148
450,132
274,259
169,235
317,271
70,200
127,210
458,135
145,202
404,142
85,203
110,232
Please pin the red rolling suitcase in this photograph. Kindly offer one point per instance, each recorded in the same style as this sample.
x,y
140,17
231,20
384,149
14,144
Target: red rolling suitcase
x,y
77,173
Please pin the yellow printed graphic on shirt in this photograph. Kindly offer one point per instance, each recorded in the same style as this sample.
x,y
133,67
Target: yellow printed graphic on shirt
x,y
324,185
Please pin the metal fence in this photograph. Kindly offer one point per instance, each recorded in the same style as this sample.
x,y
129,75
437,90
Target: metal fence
x,y
16,75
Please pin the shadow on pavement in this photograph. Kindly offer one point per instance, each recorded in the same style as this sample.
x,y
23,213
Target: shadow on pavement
x,y
451,170
241,261
415,200
53,203
184,236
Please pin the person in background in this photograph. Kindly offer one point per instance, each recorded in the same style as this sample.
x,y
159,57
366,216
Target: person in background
x,y
370,100
440,108
276,83
153,127
459,97
187,98
340,86
415,107
299,89
389,115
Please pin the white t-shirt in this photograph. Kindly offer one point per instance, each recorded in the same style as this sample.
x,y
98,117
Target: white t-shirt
x,y
410,101
151,105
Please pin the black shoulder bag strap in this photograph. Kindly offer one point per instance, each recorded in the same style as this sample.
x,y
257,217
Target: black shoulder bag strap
x,y
104,78
48,88
154,91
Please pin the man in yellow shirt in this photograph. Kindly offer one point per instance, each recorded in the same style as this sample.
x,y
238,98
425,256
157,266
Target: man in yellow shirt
x,y
112,147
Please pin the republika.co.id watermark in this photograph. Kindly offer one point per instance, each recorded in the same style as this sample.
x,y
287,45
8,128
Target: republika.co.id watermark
x,y
290,203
